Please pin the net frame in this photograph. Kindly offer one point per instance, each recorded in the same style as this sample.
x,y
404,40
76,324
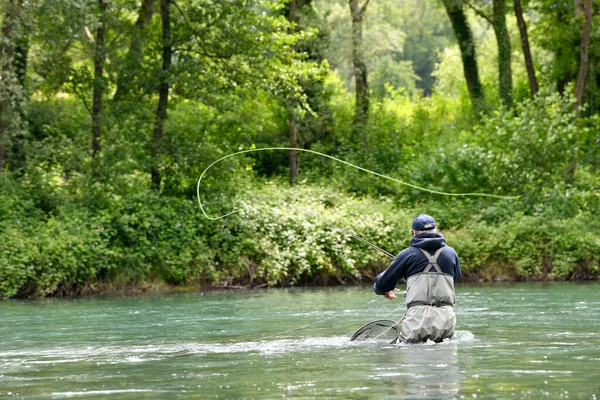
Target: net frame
x,y
385,323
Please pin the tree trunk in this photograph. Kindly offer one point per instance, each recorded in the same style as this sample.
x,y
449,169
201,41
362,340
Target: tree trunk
x,y
133,59
579,6
564,75
292,13
13,57
584,55
98,79
533,85
583,67
293,156
504,53
20,58
291,118
463,34
6,69
360,68
163,93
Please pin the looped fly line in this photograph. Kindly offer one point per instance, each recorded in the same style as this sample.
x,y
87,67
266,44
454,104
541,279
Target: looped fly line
x,y
495,196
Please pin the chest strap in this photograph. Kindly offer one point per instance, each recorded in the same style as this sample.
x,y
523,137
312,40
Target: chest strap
x,y
433,265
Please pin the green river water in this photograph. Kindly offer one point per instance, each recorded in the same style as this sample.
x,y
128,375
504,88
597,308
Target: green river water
x,y
512,341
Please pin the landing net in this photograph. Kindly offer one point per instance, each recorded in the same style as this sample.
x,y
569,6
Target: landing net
x,y
383,330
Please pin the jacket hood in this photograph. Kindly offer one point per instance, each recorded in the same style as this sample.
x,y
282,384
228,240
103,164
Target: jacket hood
x,y
429,241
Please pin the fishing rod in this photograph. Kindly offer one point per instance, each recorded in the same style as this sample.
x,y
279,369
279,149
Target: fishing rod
x,y
387,253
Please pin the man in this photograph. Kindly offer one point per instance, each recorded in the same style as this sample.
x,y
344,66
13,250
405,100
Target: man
x,y
430,268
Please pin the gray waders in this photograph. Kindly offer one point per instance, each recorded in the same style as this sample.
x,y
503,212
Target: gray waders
x,y
430,304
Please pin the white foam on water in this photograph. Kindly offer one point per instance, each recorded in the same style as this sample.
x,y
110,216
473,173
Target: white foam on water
x,y
461,337
144,353
539,371
152,352
278,346
104,392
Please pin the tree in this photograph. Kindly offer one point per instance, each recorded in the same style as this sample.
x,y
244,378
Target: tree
x,y
163,93
560,29
464,37
292,154
584,53
533,85
134,57
428,33
357,13
504,53
99,80
498,22
307,114
309,117
290,108
11,79
6,59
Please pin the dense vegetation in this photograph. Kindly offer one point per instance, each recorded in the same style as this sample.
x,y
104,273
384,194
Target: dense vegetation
x,y
111,110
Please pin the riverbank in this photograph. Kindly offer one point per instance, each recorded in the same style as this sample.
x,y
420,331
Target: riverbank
x,y
163,288
153,243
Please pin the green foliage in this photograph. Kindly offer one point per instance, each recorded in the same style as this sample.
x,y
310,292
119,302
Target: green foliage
x,y
280,238
530,246
72,224
508,152
401,41
558,31
131,240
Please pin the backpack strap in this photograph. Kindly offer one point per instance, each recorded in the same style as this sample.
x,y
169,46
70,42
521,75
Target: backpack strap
x,y
433,265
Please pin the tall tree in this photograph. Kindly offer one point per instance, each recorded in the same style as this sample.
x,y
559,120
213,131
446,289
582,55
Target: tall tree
x,y
20,57
99,81
11,78
292,126
584,52
462,31
293,156
357,13
504,53
533,85
163,93
134,57
498,22
306,107
6,69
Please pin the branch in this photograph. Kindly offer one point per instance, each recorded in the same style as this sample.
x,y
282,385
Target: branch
x,y
363,9
112,43
82,97
207,25
480,13
189,24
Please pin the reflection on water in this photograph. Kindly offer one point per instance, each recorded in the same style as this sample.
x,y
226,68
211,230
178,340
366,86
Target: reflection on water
x,y
513,341
428,370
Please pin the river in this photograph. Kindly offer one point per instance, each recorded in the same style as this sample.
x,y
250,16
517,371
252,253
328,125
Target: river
x,y
513,341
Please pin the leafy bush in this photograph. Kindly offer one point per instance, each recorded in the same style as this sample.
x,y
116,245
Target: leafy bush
x,y
285,239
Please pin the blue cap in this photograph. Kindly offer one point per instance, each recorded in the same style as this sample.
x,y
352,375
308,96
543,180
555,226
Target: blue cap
x,y
423,222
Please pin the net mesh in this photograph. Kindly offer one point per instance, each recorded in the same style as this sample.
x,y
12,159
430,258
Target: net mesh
x,y
383,330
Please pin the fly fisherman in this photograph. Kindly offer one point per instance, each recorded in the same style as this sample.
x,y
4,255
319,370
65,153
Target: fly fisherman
x,y
430,268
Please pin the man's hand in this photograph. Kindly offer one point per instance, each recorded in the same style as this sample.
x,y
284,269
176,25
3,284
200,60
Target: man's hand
x,y
391,295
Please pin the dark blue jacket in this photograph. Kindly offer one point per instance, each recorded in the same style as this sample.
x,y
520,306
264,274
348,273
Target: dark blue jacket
x,y
412,261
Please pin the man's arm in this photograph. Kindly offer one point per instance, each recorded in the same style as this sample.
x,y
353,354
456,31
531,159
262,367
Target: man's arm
x,y
387,280
457,270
